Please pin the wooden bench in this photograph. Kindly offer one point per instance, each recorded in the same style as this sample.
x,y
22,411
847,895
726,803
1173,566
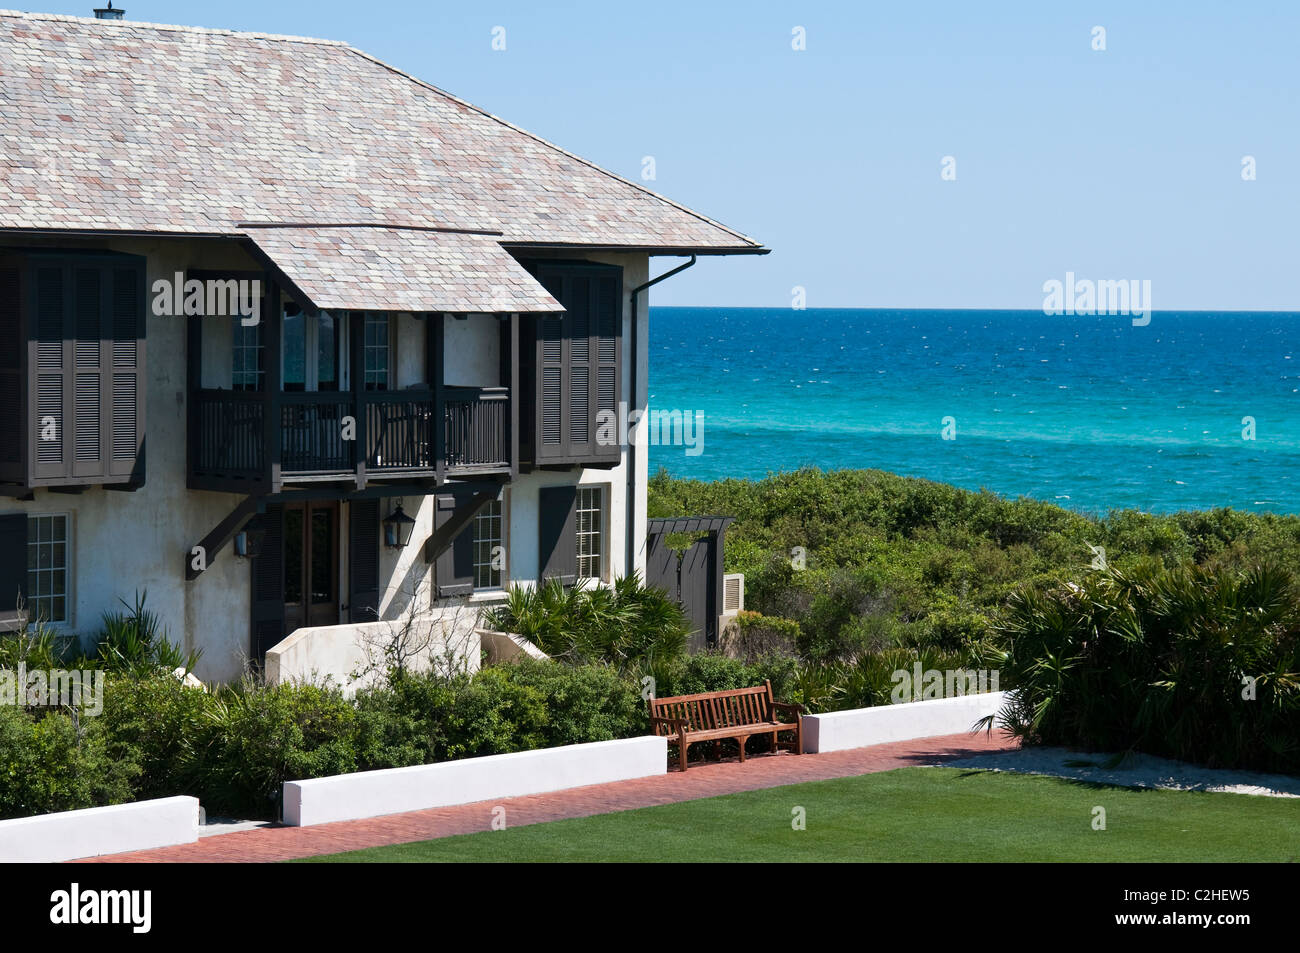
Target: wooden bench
x,y
712,716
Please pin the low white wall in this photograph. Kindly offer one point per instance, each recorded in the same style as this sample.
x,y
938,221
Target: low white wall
x,y
861,727
395,790
144,825
507,646
337,652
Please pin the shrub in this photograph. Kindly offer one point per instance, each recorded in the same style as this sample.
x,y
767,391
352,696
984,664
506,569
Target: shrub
x,y
752,635
135,642
1162,661
155,722
57,762
625,626
254,738
583,704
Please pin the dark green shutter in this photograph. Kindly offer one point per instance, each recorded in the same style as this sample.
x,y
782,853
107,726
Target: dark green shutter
x,y
49,394
607,337
363,561
577,360
126,391
12,427
268,585
455,566
557,533
13,567
85,369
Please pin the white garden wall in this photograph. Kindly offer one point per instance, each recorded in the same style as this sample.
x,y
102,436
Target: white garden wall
x,y
861,727
338,652
68,835
348,797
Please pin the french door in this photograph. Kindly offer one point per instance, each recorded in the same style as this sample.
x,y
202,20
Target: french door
x,y
311,564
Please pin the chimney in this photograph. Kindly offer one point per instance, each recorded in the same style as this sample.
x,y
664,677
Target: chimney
x,y
108,13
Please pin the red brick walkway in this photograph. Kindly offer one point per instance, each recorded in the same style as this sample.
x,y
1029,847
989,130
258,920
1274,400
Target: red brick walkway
x,y
704,780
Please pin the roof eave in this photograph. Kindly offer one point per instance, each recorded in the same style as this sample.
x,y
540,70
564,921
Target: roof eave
x,y
674,251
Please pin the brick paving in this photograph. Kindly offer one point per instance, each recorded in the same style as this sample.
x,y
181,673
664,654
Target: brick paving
x,y
704,780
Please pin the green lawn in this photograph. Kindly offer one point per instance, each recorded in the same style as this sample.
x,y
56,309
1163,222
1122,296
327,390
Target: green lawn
x,y
912,814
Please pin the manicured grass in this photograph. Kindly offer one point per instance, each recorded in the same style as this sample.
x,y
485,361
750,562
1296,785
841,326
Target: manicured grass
x,y
912,814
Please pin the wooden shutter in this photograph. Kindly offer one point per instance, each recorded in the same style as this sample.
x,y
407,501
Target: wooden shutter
x,y
13,567
125,339
551,427
363,561
12,414
268,585
86,369
607,340
557,533
454,568
48,394
578,362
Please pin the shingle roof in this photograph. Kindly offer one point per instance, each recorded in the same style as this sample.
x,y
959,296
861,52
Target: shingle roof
x,y
130,126
379,269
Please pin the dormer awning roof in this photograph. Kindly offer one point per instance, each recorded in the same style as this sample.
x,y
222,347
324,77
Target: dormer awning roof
x,y
370,268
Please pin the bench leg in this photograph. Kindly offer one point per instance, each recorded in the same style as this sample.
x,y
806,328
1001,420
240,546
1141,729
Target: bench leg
x,y
682,748
743,739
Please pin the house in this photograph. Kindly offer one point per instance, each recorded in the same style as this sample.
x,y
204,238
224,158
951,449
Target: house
x,y
260,294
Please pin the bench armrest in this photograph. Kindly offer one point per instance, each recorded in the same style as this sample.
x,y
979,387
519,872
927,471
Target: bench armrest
x,y
678,724
788,707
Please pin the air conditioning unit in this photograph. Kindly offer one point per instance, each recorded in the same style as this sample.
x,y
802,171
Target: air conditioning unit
x,y
733,593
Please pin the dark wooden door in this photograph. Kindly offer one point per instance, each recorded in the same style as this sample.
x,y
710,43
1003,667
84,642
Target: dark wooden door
x,y
697,593
311,564
690,579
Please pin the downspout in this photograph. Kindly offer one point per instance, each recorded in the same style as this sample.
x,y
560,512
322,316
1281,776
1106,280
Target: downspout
x,y
630,532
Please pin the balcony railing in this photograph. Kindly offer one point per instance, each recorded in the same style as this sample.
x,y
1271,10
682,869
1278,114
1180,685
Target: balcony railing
x,y
475,418
394,430
228,434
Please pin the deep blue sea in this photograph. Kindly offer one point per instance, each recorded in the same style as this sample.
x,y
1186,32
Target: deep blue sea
x,y
1089,412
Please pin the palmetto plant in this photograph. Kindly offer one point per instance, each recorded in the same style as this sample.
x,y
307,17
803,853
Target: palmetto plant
x,y
135,643
1193,663
629,625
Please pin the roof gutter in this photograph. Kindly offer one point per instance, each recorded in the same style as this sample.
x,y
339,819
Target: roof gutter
x,y
630,525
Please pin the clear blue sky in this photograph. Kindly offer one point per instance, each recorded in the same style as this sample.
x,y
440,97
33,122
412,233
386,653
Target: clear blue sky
x,y
1117,164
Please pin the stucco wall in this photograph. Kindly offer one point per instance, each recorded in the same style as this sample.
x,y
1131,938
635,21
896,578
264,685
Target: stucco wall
x,y
124,542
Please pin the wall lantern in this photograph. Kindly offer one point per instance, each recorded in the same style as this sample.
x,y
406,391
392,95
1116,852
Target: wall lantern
x,y
397,528
248,541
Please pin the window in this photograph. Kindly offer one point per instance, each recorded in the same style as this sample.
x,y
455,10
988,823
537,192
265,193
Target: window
x,y
248,366
488,547
314,351
47,568
590,523
376,366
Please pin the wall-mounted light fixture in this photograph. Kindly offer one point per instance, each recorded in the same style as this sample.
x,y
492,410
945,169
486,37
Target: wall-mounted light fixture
x,y
397,528
248,541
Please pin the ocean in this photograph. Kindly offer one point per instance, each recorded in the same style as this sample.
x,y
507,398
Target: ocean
x,y
1192,411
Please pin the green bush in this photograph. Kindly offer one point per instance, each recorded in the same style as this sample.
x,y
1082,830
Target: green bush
x,y
57,762
156,722
1162,661
254,738
626,626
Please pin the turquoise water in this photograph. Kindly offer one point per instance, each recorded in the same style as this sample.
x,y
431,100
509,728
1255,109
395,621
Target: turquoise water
x,y
1086,411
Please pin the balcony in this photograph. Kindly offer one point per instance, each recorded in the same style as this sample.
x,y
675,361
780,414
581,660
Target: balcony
x,y
394,434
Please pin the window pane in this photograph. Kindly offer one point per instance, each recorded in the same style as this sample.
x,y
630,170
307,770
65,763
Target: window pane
x,y
327,353
295,353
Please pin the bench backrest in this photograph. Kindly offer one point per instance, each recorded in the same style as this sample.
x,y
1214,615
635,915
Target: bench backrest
x,y
708,710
